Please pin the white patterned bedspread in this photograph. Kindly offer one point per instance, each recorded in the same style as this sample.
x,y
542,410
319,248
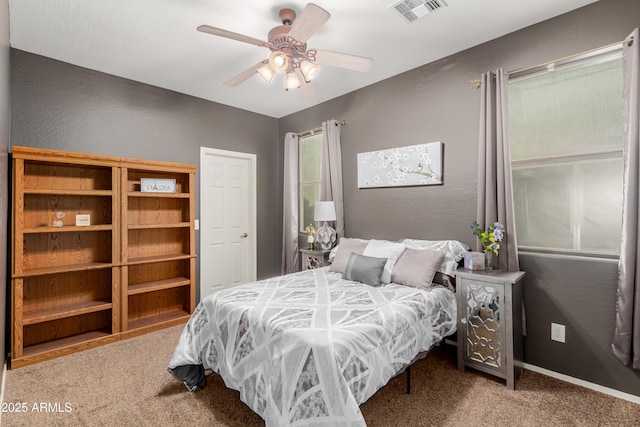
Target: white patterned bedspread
x,y
308,348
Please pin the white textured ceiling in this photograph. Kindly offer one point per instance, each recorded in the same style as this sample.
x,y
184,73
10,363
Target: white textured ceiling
x,y
156,42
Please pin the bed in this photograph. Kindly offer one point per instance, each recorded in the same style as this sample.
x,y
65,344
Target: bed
x,y
309,347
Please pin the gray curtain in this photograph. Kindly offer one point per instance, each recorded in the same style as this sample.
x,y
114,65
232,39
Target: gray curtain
x,y
290,206
626,338
495,184
331,171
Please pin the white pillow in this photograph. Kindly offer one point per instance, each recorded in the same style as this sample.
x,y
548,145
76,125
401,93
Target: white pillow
x,y
453,249
385,249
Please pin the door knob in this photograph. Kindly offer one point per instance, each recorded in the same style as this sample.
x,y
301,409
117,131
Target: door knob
x,y
244,236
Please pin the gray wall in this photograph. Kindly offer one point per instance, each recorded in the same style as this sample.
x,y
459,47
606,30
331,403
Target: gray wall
x,y
60,106
435,103
5,80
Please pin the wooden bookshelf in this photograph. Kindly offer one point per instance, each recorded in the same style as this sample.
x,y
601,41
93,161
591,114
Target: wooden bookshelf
x,y
158,279
131,271
65,280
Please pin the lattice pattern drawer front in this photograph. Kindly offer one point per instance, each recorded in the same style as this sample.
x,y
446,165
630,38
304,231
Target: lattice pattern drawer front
x,y
484,324
313,259
312,262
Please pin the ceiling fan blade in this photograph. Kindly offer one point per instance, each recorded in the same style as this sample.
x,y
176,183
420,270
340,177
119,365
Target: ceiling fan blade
x,y
343,60
305,89
235,81
308,22
231,35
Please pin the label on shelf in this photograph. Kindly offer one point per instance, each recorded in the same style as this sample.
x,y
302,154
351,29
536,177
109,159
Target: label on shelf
x,y
157,185
83,220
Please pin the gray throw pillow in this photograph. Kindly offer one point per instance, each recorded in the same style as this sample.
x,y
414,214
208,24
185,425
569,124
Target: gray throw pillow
x,y
364,269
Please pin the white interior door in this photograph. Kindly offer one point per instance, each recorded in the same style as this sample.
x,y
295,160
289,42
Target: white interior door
x,y
227,219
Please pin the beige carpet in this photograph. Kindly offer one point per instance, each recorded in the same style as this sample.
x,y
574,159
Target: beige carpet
x,y
127,383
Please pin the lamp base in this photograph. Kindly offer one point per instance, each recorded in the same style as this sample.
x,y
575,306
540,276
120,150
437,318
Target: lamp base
x,y
326,236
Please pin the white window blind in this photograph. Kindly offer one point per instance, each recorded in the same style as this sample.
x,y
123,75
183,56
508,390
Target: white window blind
x,y
310,164
566,135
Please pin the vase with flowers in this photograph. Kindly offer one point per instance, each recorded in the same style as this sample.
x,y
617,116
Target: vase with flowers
x,y
311,235
490,238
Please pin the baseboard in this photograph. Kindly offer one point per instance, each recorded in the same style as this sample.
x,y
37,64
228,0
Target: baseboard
x,y
596,387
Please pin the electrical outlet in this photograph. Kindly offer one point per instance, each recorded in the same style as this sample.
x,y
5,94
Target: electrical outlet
x,y
557,332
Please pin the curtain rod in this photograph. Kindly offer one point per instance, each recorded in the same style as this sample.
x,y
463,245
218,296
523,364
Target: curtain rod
x,y
575,55
475,84
312,131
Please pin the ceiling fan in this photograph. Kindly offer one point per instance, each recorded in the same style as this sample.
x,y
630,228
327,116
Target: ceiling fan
x,y
289,52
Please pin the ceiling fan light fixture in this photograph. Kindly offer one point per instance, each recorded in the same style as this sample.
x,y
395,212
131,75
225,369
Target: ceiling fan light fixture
x,y
291,81
309,70
266,72
289,54
278,61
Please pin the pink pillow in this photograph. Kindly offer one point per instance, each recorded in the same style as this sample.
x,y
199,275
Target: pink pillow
x,y
345,249
416,267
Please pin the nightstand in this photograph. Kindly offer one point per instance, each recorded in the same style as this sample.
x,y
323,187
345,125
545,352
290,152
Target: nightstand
x,y
310,259
490,322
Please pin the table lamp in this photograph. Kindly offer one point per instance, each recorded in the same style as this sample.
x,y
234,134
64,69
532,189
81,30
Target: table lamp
x,y
326,235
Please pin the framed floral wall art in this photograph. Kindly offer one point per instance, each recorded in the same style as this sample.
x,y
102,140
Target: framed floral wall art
x,y
419,164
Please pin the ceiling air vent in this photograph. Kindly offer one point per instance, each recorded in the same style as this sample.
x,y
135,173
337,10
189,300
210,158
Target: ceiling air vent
x,y
434,5
412,10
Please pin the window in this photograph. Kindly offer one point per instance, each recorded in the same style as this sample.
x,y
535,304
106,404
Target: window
x,y
566,135
310,163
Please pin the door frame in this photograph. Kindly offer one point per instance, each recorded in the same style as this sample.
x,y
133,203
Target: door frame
x,y
253,241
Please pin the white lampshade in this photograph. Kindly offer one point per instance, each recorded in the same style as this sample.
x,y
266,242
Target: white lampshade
x,y
278,61
291,81
266,72
308,70
325,211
